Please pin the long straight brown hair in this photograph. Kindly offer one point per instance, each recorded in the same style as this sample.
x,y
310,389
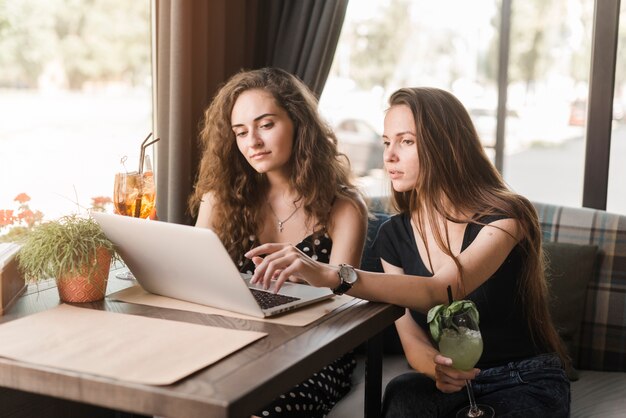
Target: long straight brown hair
x,y
319,172
460,176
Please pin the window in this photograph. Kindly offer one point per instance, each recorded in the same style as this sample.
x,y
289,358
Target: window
x,y
75,95
549,63
454,45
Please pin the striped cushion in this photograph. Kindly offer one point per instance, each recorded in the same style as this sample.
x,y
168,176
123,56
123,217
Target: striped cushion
x,y
602,343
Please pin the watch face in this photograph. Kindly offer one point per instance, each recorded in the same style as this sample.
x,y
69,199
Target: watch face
x,y
347,273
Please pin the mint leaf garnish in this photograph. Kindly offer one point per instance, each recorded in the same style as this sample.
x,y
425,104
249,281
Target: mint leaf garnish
x,y
440,316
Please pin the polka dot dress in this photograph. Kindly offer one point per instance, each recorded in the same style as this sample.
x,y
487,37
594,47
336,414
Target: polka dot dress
x,y
317,395
317,247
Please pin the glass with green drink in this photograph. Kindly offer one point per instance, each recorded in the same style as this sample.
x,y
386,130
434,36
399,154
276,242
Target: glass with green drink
x,y
455,328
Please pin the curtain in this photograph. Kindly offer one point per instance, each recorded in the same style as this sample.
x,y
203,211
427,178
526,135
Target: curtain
x,y
301,38
200,44
197,49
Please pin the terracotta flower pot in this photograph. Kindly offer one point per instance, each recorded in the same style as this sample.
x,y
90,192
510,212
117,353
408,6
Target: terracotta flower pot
x,y
79,288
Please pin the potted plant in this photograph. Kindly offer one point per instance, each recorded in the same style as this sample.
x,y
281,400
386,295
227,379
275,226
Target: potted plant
x,y
74,251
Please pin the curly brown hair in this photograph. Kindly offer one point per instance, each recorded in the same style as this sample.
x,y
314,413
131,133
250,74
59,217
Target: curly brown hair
x,y
461,177
319,173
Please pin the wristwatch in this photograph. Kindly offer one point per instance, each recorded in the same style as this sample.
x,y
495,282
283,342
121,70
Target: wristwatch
x,y
347,275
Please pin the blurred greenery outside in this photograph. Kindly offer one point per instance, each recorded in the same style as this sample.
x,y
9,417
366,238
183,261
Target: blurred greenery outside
x,y
76,95
75,44
76,87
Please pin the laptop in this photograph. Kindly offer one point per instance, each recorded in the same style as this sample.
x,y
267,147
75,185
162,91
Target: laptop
x,y
191,264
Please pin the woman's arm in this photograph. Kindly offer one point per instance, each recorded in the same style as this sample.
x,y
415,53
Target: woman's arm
x,y
417,347
348,227
479,262
205,211
422,355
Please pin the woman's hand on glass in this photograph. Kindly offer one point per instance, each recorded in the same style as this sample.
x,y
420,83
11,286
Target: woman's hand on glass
x,y
285,262
447,378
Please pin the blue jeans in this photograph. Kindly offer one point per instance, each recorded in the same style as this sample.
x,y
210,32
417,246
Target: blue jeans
x,y
534,387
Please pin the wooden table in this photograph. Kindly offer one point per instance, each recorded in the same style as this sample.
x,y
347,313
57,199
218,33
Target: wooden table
x,y
236,386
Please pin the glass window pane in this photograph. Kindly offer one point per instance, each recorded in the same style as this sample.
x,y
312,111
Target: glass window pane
x,y
548,86
385,45
75,95
616,196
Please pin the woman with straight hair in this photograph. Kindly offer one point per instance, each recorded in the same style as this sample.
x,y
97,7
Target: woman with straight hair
x,y
458,225
271,172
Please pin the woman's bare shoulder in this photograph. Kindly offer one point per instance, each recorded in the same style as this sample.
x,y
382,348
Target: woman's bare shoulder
x,y
205,211
510,226
208,197
352,203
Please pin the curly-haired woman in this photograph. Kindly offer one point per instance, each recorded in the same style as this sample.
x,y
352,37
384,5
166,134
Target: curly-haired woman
x,y
271,172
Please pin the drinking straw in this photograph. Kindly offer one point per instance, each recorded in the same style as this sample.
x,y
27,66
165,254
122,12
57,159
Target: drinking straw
x,y
145,144
450,300
143,151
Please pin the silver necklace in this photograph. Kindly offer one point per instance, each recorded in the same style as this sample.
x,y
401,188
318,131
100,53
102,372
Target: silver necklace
x,y
281,223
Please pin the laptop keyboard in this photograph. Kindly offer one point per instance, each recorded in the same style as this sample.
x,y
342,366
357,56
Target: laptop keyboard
x,y
269,300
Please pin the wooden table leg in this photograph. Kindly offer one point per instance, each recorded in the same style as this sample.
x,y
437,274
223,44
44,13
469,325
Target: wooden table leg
x,y
373,376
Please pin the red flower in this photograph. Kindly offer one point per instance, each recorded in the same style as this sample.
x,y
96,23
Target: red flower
x,y
26,214
22,198
30,217
101,200
6,218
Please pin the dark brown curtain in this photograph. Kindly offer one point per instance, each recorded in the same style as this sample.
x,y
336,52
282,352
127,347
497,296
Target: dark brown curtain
x,y
200,44
301,37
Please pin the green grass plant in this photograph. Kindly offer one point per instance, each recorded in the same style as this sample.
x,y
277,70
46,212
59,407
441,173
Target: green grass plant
x,y
67,246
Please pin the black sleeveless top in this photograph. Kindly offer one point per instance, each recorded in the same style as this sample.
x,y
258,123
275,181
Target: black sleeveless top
x,y
317,246
503,323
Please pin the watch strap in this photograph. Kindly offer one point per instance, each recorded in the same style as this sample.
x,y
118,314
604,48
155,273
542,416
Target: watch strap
x,y
342,288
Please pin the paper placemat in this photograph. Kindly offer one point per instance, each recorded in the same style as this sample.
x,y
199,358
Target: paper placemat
x,y
299,317
125,347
